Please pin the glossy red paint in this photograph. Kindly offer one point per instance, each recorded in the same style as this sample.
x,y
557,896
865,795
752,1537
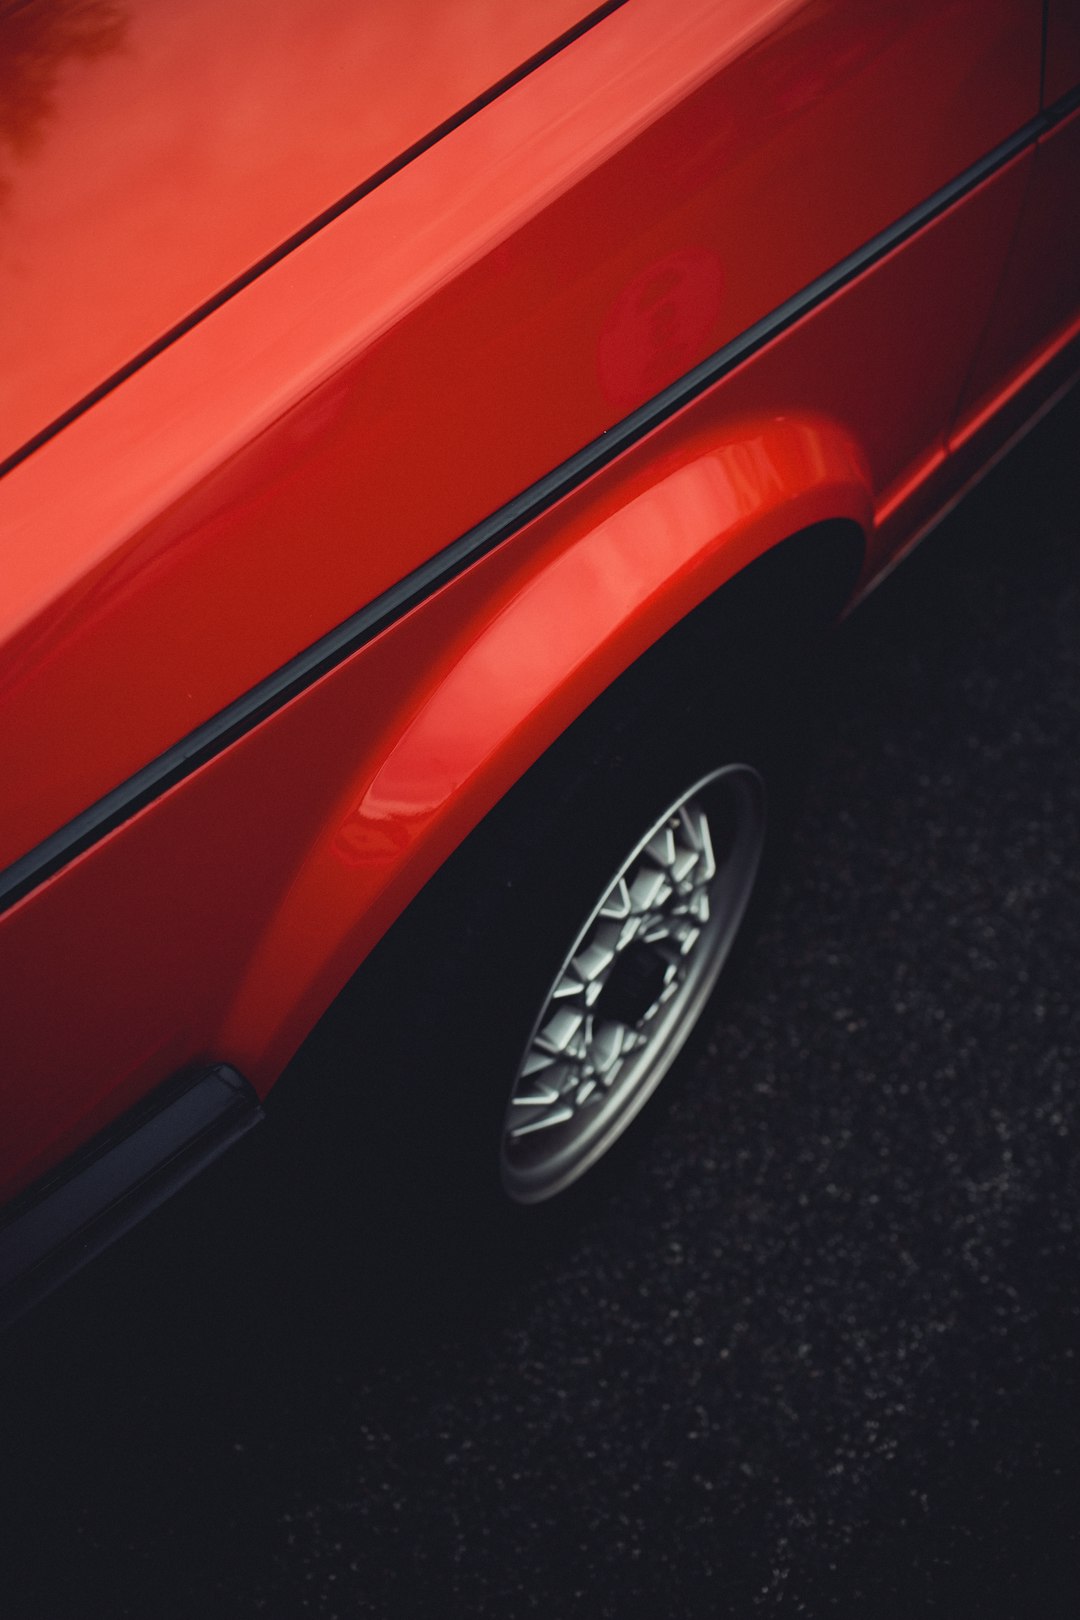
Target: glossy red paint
x,y
1040,291
444,343
153,153
634,203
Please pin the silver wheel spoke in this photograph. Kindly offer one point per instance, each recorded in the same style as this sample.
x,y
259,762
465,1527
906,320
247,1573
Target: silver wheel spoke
x,y
706,849
535,1062
559,1031
645,890
617,902
661,847
608,1043
544,1121
593,961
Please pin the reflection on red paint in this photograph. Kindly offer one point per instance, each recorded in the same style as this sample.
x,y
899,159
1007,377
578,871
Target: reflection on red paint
x,y
659,326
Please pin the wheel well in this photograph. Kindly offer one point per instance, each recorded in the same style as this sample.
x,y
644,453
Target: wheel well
x,y
756,624
734,650
737,643
786,597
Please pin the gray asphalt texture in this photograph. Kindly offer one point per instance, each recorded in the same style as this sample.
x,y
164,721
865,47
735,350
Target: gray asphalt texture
x,y
810,1350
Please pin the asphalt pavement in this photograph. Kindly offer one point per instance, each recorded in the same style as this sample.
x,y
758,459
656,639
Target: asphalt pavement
x,y
811,1350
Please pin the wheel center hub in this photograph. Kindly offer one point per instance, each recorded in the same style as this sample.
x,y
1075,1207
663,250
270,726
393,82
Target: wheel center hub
x,y
636,982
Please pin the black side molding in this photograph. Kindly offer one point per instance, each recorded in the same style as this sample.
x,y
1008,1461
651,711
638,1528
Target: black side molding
x,y
122,1175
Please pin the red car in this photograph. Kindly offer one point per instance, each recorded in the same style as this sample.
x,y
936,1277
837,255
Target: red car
x,y
426,430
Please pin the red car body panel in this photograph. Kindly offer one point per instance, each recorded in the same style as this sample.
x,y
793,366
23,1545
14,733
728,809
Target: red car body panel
x,y
635,203
408,369
1040,290
156,153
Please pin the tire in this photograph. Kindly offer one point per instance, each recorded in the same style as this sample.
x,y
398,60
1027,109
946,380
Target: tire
x,y
440,1042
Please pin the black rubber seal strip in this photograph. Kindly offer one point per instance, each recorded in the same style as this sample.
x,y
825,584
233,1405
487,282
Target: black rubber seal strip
x,y
1062,108
260,266
52,1230
338,644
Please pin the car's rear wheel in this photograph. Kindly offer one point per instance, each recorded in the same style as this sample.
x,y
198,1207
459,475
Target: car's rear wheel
x,y
514,1022
517,1019
633,982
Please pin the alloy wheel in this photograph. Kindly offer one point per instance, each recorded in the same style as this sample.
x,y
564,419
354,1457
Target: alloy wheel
x,y
633,983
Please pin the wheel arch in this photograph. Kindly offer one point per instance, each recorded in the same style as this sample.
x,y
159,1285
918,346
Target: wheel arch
x,y
773,518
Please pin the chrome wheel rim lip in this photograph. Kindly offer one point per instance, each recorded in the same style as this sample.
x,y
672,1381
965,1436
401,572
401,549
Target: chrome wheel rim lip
x,y
550,1137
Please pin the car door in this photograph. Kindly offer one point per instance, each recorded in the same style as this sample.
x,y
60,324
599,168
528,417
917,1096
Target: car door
x,y
1031,341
